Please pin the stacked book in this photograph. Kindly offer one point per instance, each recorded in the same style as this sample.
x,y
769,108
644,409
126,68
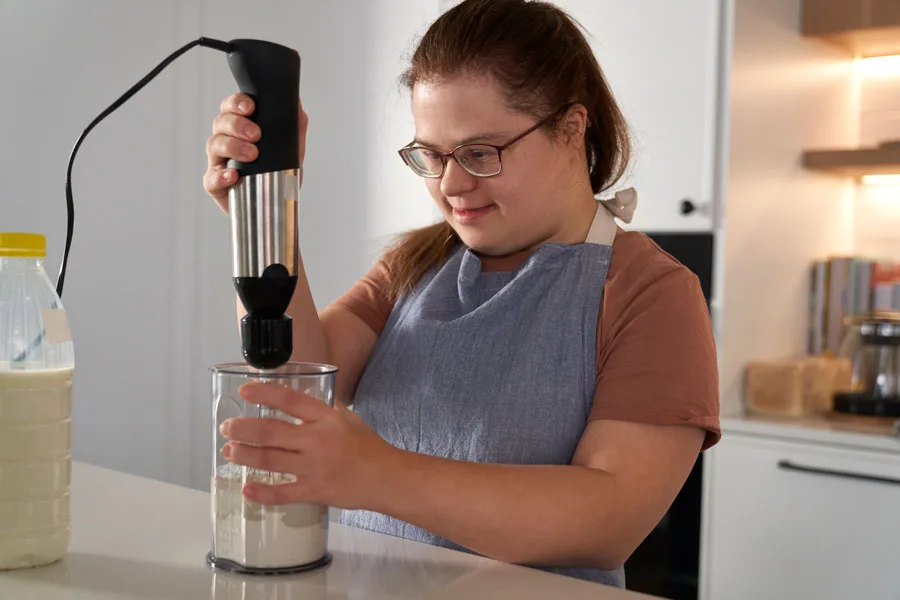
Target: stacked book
x,y
844,286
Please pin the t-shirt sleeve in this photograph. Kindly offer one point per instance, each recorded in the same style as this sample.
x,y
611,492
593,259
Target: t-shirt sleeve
x,y
368,298
656,357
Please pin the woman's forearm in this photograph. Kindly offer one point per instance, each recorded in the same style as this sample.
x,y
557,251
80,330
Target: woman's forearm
x,y
537,515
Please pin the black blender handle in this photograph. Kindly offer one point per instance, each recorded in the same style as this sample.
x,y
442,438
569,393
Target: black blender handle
x,y
270,74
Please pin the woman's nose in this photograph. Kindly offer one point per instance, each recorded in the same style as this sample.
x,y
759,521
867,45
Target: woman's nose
x,y
456,180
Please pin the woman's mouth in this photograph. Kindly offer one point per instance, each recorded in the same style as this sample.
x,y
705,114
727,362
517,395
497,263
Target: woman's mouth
x,y
469,215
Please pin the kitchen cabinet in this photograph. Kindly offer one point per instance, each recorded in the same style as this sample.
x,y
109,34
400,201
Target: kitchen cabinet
x,y
661,60
864,27
789,518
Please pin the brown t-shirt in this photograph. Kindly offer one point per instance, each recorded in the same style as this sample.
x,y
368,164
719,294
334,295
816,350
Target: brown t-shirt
x,y
656,358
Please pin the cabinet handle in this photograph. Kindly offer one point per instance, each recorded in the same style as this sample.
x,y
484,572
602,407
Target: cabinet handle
x,y
687,207
789,466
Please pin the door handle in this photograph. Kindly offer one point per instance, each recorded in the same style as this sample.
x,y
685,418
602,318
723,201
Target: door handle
x,y
687,207
790,466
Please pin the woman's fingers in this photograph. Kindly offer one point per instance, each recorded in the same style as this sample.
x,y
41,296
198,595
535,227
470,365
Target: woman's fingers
x,y
236,126
241,104
233,137
303,127
274,433
221,147
218,179
266,459
287,400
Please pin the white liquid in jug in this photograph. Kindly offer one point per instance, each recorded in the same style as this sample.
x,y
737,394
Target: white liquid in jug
x,y
35,463
259,536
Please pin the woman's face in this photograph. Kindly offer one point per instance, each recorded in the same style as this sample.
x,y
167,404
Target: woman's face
x,y
531,201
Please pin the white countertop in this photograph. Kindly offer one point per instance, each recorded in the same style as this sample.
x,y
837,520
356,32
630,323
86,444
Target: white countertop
x,y
857,433
140,539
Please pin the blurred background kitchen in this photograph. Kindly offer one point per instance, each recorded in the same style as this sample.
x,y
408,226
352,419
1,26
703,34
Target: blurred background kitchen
x,y
767,159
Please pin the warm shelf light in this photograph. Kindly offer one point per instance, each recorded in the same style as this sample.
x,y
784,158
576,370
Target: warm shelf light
x,y
879,66
881,179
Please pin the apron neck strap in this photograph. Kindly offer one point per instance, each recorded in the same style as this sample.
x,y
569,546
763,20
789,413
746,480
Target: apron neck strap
x,y
603,228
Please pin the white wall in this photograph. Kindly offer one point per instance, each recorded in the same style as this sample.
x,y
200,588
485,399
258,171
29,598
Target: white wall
x,y
787,94
877,222
390,124
149,290
877,213
128,289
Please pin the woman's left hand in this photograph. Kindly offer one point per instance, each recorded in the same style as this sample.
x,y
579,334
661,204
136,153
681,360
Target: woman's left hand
x,y
335,456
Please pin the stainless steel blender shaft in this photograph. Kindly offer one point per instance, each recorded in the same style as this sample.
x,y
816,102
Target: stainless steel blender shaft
x,y
263,209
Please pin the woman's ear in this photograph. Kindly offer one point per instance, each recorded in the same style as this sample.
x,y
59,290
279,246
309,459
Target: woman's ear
x,y
574,125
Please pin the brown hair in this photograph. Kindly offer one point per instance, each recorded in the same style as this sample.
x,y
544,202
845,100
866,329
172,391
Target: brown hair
x,y
542,61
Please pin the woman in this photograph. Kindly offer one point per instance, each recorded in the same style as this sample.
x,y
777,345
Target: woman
x,y
529,382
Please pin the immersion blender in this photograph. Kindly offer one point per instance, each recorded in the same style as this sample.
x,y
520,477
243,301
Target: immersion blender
x,y
262,205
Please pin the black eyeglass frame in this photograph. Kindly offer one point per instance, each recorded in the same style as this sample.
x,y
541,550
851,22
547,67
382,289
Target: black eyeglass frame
x,y
499,149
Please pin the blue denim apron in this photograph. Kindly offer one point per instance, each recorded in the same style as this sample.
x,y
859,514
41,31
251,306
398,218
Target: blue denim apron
x,y
494,367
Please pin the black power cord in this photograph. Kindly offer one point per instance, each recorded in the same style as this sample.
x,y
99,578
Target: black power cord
x,y
70,204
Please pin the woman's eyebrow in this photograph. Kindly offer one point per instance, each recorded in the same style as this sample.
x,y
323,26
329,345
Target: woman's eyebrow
x,y
479,138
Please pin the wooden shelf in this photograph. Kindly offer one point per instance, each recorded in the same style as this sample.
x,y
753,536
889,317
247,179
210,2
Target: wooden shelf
x,y
881,41
880,160
864,27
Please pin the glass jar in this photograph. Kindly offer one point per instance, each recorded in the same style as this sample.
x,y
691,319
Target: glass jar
x,y
871,345
249,537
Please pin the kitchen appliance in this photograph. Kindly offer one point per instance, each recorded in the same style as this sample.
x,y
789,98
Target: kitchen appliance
x,y
262,205
871,345
265,252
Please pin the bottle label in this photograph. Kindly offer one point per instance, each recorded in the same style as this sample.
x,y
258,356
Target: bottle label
x,y
56,326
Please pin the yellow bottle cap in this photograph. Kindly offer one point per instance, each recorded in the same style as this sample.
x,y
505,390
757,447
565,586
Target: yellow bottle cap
x,y
23,245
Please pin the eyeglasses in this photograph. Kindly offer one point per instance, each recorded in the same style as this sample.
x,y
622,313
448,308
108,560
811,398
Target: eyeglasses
x,y
479,160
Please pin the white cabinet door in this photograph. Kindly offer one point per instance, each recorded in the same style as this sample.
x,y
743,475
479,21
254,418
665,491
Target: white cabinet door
x,y
792,520
661,61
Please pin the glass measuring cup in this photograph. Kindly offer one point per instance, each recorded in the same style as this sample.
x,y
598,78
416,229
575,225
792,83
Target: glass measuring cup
x,y
249,537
